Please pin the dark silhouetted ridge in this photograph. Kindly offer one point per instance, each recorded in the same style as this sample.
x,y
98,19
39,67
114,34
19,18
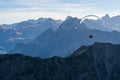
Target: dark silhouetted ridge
x,y
99,61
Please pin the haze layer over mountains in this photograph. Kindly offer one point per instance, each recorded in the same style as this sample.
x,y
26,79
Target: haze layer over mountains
x,y
47,37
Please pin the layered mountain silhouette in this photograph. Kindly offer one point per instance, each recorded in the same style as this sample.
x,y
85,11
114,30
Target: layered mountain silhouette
x,y
67,38
25,31
99,61
46,37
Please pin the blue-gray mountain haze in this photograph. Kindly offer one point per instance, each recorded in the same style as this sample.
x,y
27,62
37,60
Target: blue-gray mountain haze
x,y
69,37
46,37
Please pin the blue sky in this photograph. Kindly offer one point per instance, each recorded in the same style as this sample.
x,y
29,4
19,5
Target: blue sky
x,y
18,10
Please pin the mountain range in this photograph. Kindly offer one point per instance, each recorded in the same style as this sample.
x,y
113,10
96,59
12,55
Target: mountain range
x,y
24,31
46,37
99,61
70,35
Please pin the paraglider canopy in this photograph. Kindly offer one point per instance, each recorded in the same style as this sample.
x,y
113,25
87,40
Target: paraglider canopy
x,y
92,16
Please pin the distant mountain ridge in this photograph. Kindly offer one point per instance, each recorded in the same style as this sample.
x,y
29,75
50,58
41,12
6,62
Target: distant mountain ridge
x,y
61,36
107,24
25,31
67,38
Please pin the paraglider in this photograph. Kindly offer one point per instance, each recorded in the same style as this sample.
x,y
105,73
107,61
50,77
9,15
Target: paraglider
x,y
85,17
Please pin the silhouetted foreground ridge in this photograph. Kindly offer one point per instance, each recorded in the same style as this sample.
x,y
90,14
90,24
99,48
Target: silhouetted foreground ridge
x,y
100,61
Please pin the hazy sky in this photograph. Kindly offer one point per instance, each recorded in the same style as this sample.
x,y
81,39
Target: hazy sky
x,y
18,10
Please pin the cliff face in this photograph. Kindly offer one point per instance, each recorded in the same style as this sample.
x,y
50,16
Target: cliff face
x,y
99,61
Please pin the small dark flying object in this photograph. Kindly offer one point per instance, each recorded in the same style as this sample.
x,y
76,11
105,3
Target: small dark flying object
x,y
91,36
